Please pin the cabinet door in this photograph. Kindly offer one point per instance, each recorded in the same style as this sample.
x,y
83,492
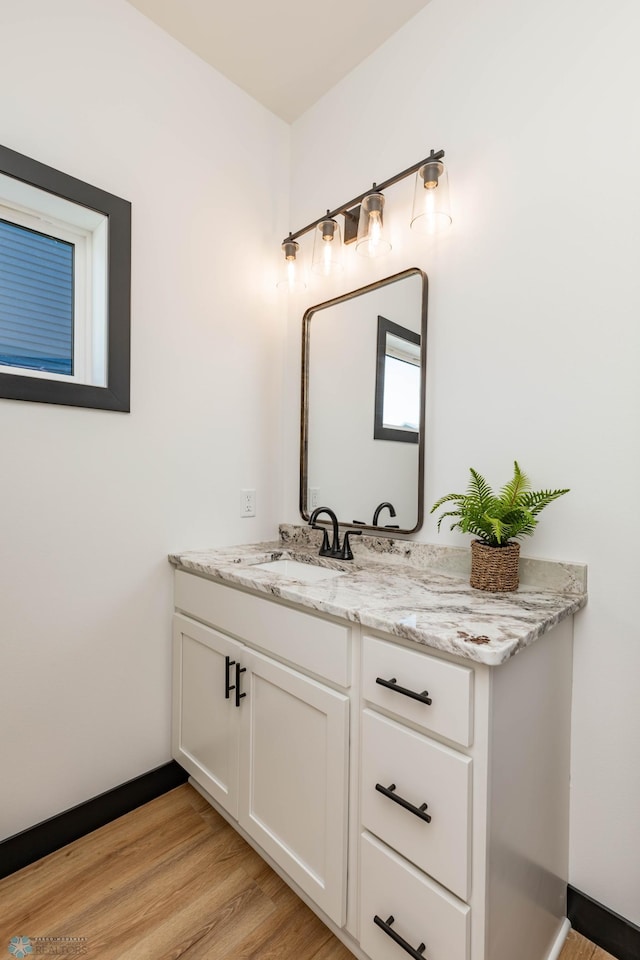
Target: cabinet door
x,y
293,778
205,735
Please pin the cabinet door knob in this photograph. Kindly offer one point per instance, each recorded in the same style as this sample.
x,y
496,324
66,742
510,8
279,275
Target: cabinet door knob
x,y
417,953
239,695
393,685
392,795
228,687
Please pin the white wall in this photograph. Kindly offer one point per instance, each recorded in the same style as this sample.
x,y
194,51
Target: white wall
x,y
93,501
534,332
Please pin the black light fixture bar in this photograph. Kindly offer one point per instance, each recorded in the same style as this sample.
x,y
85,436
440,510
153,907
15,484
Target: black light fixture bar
x,y
345,207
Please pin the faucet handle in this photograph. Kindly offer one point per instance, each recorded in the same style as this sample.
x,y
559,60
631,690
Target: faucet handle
x,y
347,553
325,549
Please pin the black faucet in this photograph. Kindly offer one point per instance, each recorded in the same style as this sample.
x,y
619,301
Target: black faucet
x,y
325,549
381,507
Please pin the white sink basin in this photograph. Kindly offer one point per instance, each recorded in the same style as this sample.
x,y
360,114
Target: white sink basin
x,y
297,570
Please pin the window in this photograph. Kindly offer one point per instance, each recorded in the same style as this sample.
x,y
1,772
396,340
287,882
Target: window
x,y
65,252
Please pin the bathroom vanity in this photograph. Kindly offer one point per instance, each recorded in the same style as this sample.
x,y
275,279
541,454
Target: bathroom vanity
x,y
393,742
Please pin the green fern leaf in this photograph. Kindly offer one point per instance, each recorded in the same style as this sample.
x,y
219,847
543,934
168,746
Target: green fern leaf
x,y
537,501
449,513
498,528
478,487
512,491
446,499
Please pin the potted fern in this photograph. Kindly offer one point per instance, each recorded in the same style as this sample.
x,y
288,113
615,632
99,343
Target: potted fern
x,y
498,521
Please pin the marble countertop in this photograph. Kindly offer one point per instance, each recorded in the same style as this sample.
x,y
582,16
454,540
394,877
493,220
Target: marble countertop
x,y
402,591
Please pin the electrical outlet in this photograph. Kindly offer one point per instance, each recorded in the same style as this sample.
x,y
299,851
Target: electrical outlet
x,y
247,503
314,497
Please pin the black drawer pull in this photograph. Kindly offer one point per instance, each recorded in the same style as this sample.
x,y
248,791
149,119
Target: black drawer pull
x,y
228,687
417,954
393,685
416,811
239,695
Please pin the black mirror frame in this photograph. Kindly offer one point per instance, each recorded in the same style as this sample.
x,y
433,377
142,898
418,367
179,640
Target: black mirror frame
x,y
116,394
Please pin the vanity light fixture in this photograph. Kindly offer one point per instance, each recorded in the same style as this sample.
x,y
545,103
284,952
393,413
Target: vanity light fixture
x,y
327,247
363,221
291,277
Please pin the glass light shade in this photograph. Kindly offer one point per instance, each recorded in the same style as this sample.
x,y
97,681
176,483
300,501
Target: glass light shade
x,y
431,213
291,277
327,248
371,240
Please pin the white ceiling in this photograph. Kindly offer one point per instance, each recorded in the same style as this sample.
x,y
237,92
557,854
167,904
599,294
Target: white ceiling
x,y
285,53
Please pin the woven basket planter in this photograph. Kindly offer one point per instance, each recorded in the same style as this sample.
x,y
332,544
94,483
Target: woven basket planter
x,y
494,568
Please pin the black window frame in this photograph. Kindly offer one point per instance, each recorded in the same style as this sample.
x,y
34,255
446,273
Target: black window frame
x,y
116,394
380,432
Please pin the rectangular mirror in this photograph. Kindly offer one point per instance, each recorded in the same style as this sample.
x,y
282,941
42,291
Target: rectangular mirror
x,y
363,404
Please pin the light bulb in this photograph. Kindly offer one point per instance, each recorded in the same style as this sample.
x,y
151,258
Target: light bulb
x,y
371,240
431,214
375,230
326,255
327,248
291,277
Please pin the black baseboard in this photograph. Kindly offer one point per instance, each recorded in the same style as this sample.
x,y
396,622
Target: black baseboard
x,y
36,842
602,926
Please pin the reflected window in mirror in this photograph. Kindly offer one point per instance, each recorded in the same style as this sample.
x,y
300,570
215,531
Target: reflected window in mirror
x,y
398,377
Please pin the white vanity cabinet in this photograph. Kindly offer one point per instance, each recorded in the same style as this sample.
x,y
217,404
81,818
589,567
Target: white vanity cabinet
x,y
416,799
268,743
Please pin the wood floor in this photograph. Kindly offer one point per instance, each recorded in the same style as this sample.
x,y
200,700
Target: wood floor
x,y
171,880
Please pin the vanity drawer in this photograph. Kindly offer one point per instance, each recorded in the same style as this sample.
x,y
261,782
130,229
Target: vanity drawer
x,y
420,771
422,912
449,687
318,646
